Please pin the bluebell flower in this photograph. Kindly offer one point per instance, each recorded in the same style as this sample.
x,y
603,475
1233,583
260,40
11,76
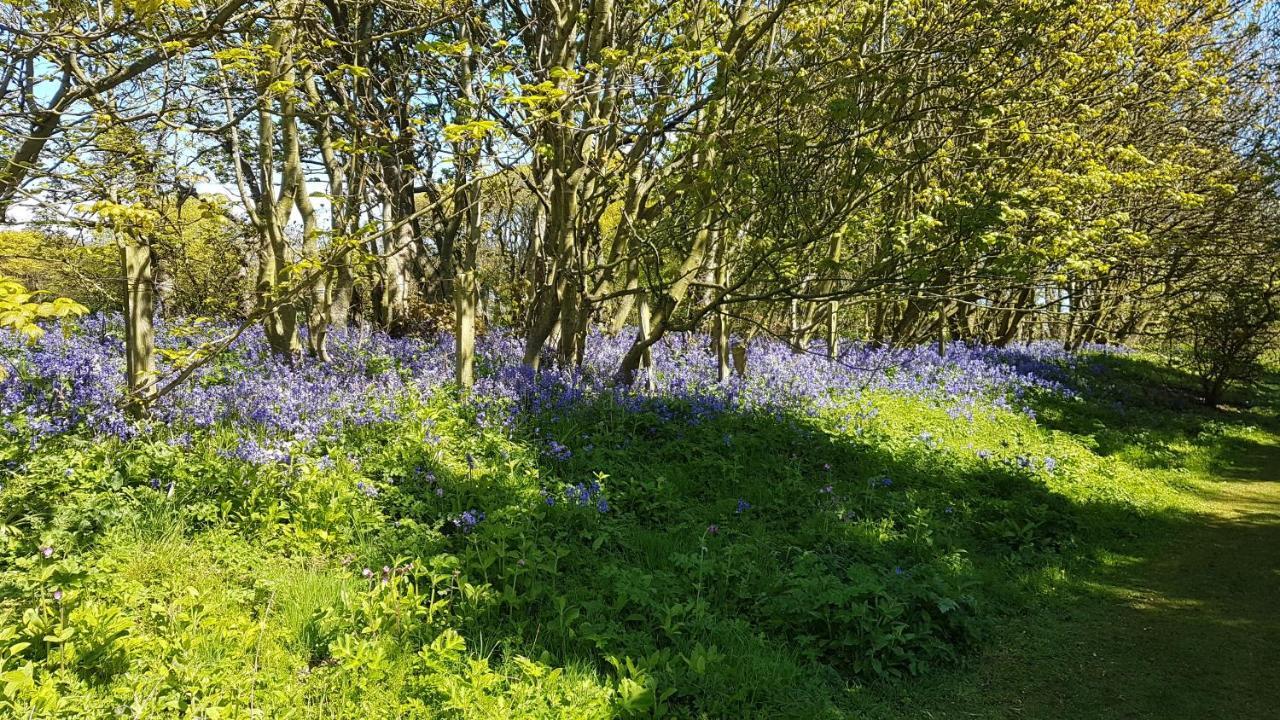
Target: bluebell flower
x,y
468,520
558,451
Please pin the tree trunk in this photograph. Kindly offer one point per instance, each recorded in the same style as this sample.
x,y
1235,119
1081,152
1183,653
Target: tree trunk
x,y
1014,317
721,336
140,365
833,338
646,358
341,295
465,300
622,310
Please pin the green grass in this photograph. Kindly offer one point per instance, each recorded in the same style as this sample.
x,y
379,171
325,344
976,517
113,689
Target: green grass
x,y
1132,576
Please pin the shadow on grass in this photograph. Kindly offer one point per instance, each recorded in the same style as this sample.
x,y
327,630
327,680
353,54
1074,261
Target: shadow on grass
x,y
1150,415
1182,628
1246,459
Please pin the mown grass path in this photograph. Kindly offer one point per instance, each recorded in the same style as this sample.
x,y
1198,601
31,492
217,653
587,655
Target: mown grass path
x,y
1188,628
1180,622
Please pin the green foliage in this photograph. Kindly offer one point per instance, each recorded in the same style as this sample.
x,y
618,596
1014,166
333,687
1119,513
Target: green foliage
x,y
1228,328
21,309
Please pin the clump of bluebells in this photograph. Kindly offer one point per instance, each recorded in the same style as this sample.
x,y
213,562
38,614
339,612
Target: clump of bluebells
x,y
468,520
558,451
73,379
579,495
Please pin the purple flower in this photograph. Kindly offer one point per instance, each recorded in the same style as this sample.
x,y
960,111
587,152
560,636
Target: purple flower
x,y
713,529
47,551
57,596
558,451
468,520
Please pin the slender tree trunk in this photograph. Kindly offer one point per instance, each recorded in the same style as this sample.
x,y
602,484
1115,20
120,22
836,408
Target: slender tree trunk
x,y
833,338
942,329
465,298
793,323
721,338
646,357
1015,316
140,358
281,319
626,303
340,295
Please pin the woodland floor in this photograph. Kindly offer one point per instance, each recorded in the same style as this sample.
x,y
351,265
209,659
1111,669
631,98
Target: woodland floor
x,y
1180,622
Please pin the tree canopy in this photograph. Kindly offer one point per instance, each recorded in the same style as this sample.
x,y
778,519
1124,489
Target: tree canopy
x,y
893,172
